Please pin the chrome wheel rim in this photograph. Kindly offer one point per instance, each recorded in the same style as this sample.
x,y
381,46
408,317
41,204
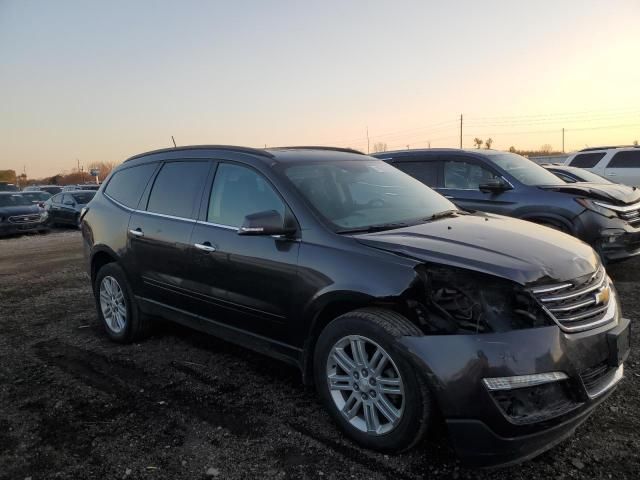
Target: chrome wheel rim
x,y
113,305
365,385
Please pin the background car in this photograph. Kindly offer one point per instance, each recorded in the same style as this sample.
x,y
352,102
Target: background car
x,y
18,214
574,174
605,215
8,187
620,164
52,189
38,197
65,207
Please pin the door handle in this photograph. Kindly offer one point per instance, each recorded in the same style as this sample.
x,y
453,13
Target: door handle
x,y
611,174
205,247
137,232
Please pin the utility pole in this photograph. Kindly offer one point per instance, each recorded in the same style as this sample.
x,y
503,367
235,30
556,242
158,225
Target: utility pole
x,y
563,140
460,130
428,143
174,141
367,139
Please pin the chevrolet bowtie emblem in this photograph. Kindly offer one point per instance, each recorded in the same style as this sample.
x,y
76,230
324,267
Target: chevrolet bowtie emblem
x,y
602,296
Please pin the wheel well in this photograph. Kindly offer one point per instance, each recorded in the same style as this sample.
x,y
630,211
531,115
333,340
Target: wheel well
x,y
99,260
560,223
322,319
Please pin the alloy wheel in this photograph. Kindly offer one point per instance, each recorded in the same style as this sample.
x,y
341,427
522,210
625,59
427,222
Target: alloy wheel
x,y
113,305
365,385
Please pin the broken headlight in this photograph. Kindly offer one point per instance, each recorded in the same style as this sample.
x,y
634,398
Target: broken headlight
x,y
462,301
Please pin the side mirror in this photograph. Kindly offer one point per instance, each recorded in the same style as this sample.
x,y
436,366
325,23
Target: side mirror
x,y
268,222
494,185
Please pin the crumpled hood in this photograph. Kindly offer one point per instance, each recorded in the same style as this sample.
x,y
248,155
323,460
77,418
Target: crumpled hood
x,y
514,249
19,210
614,193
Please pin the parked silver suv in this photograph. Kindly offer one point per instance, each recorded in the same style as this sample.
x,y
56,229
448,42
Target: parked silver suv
x,y
620,164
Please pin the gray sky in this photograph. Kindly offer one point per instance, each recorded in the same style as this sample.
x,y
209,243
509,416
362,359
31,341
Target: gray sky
x,y
105,80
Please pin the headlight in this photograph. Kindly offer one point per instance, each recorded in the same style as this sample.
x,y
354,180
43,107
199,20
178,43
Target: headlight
x,y
596,207
462,301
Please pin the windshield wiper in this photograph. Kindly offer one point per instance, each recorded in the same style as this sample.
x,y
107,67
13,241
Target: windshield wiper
x,y
442,214
374,228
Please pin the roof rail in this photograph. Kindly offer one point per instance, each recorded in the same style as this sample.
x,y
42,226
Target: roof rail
x,y
607,147
334,149
231,148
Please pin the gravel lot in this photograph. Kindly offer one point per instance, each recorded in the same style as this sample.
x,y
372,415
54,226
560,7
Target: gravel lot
x,y
74,405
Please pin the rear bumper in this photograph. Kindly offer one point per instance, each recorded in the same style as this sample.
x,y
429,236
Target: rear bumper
x,y
489,428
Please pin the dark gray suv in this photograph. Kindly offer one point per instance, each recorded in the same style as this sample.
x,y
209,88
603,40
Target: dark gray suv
x,y
606,216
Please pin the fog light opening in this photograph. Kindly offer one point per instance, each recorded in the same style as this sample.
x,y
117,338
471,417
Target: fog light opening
x,y
522,381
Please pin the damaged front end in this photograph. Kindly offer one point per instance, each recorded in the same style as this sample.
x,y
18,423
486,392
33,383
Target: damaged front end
x,y
510,375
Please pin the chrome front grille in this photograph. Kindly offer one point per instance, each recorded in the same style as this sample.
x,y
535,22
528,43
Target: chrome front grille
x,y
19,219
631,216
580,304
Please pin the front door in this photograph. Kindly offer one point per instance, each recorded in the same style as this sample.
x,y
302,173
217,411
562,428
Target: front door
x,y
461,180
247,282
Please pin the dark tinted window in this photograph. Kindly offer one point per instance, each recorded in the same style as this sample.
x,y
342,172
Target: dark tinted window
x,y
240,191
126,186
83,198
426,172
630,159
178,188
587,160
465,175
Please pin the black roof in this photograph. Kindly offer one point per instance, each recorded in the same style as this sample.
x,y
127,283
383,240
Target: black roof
x,y
276,153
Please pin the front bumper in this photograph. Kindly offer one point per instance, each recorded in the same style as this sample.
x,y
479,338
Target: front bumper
x,y
613,238
482,430
7,228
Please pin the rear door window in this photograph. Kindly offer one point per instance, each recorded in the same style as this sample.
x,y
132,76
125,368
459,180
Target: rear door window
x,y
177,189
587,160
126,185
424,171
240,191
628,159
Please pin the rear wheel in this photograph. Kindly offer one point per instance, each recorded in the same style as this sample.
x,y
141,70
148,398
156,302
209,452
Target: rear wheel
x,y
117,307
368,383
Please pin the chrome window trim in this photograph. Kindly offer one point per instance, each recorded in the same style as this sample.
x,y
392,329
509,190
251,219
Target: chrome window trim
x,y
117,202
219,225
144,212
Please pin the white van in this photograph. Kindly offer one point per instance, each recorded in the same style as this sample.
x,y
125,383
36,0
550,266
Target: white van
x,y
617,164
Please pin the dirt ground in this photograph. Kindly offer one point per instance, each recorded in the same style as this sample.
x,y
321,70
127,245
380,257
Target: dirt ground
x,y
73,405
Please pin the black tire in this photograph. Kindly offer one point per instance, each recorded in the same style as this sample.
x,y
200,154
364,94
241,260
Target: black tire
x,y
137,325
382,327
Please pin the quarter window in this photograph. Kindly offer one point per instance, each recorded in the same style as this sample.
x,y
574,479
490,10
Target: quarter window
x,y
126,185
587,160
178,188
628,159
239,191
426,172
465,175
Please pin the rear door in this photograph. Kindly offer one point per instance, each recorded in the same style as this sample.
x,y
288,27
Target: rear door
x,y
589,161
67,210
247,282
160,229
624,167
55,208
461,179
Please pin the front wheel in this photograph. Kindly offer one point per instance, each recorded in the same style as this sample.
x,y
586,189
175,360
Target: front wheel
x,y
368,383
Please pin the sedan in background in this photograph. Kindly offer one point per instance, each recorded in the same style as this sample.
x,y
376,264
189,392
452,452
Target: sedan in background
x,y
65,207
37,197
19,215
575,174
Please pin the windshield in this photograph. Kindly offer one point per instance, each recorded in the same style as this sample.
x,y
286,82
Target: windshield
x,y
361,194
13,200
83,198
525,170
587,176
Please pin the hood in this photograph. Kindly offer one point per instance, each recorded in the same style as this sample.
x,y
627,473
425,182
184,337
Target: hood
x,y
19,210
614,193
514,249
